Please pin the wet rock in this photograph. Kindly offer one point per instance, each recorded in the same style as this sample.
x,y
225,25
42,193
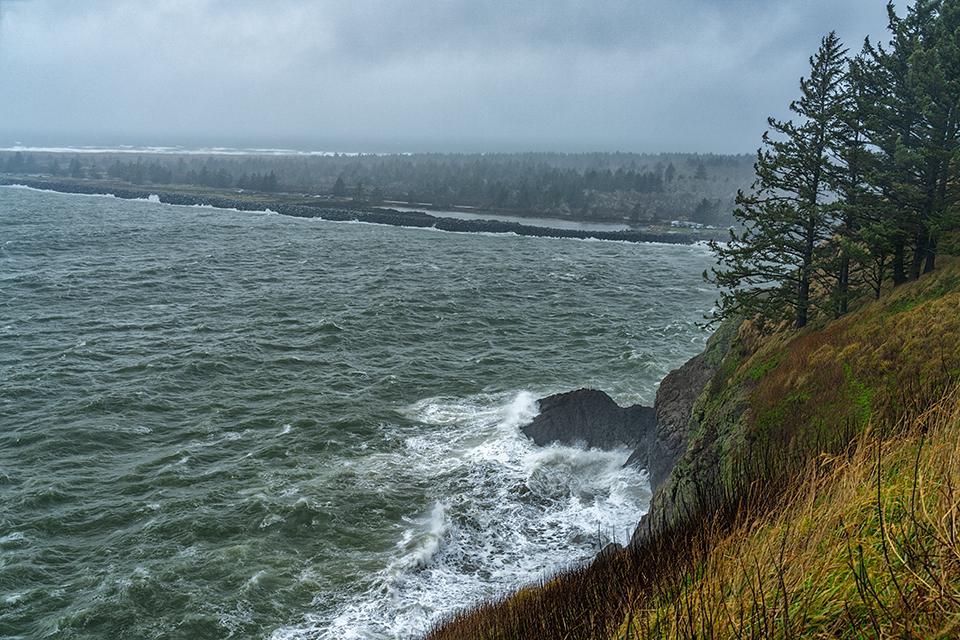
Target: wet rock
x,y
591,418
675,399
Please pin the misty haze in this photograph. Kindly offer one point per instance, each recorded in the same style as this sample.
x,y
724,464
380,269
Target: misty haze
x,y
470,320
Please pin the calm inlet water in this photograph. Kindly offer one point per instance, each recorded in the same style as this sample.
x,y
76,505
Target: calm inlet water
x,y
236,425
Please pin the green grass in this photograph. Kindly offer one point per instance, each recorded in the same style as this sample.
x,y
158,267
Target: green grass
x,y
760,369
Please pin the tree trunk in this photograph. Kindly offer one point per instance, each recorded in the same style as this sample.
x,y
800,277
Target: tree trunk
x,y
930,263
881,266
803,290
920,251
803,299
899,275
843,280
843,284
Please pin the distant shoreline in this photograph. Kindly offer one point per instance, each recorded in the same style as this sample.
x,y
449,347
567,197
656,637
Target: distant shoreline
x,y
301,207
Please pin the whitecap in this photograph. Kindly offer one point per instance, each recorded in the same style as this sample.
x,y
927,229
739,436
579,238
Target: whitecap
x,y
503,513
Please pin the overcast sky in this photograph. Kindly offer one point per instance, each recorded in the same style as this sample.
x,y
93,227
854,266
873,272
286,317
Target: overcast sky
x,y
381,75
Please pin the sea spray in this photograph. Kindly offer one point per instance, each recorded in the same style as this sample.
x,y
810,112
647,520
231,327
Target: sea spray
x,y
506,513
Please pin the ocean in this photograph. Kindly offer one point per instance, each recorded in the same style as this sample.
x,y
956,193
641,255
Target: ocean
x,y
221,424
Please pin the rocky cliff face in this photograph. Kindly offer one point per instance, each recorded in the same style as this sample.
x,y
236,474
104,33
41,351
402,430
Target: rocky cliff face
x,y
660,436
675,398
683,447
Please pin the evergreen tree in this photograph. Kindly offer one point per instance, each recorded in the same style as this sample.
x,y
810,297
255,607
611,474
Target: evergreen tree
x,y
670,173
913,126
855,206
705,212
768,267
701,173
339,187
76,169
938,78
270,183
15,163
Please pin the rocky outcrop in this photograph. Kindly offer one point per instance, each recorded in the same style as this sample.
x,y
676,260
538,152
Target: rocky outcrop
x,y
669,440
682,452
675,398
591,418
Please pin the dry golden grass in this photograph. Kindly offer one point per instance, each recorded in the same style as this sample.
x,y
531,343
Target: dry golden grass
x,y
864,544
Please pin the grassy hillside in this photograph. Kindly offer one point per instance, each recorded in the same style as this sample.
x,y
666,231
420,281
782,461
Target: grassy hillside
x,y
864,544
819,496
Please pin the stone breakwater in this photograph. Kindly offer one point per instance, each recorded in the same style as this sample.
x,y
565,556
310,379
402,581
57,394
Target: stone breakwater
x,y
371,215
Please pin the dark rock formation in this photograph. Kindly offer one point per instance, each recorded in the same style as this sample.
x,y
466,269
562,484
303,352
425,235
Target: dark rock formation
x,y
662,437
682,452
659,435
592,418
675,397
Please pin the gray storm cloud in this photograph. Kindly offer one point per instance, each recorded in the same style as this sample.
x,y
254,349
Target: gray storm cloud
x,y
373,75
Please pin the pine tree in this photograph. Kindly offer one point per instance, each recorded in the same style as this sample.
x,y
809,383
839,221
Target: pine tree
x,y
855,206
701,173
270,182
339,187
768,267
670,173
938,76
913,125
75,169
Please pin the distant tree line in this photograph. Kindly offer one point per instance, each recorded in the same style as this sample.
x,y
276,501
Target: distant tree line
x,y
620,186
858,189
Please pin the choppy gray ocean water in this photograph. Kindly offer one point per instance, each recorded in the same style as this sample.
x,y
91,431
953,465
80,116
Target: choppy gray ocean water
x,y
217,424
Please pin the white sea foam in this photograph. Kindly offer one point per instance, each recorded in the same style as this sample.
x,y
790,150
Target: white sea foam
x,y
15,537
504,513
28,188
202,151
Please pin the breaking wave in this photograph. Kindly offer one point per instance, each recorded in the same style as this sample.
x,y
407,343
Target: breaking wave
x,y
505,513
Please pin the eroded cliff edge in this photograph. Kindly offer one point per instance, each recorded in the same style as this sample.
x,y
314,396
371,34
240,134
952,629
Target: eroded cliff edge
x,y
678,419
658,435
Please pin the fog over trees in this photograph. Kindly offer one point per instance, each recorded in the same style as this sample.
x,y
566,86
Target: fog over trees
x,y
639,188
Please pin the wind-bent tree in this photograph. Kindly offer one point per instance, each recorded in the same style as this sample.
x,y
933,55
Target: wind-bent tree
x,y
913,125
937,71
769,266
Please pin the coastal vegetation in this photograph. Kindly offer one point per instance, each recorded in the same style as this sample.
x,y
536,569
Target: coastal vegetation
x,y
247,390
818,494
300,206
861,185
